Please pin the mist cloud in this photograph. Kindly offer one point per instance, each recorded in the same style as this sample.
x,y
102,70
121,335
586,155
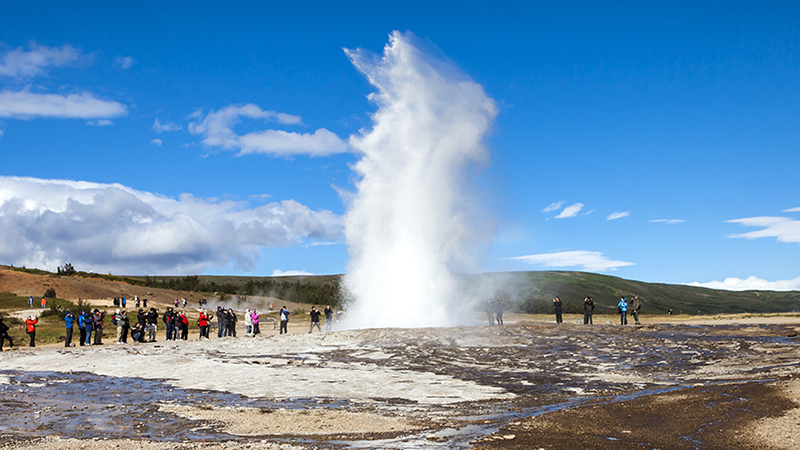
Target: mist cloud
x,y
113,228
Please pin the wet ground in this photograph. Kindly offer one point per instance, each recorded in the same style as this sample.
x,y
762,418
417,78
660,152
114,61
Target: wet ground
x,y
530,385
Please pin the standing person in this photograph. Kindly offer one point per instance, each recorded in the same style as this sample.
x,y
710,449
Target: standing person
x,y
254,317
144,303
124,302
69,321
88,322
4,335
126,325
499,309
557,306
202,322
588,310
314,320
622,307
44,302
490,312
115,321
30,324
328,318
30,301
233,320
183,322
637,305
248,322
220,322
284,315
82,327
152,324
138,302
169,323
98,327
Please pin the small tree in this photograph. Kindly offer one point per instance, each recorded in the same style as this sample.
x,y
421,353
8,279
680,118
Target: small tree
x,y
67,270
50,293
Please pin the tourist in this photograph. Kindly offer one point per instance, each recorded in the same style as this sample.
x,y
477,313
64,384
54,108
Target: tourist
x,y
137,332
220,321
557,306
490,312
126,326
635,307
169,323
115,321
88,323
30,301
622,307
499,309
44,302
82,327
284,316
202,322
141,318
248,322
254,317
328,318
183,325
4,334
30,324
588,310
314,320
138,302
232,320
152,323
124,303
69,320
98,326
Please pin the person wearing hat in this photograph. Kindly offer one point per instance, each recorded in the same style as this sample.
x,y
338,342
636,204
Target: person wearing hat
x,y
30,324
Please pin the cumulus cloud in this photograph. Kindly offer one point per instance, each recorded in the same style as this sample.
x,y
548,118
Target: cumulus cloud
x,y
751,283
157,142
570,211
124,62
159,127
592,261
668,221
781,228
84,105
618,215
289,273
555,206
19,63
216,127
113,228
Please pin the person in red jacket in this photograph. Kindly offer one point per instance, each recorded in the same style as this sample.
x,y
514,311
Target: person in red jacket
x,y
202,322
31,324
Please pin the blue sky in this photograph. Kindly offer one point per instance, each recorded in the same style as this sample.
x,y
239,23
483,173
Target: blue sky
x,y
650,141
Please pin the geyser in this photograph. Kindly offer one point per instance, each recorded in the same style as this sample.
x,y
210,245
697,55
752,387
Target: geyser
x,y
413,222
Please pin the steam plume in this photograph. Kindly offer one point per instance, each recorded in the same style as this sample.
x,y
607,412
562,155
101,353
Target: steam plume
x,y
411,223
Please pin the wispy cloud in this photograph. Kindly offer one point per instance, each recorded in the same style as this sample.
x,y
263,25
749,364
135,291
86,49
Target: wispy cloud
x,y
111,227
84,105
159,127
157,142
290,273
216,127
570,211
124,62
751,283
792,209
553,207
668,221
587,260
781,228
19,63
618,215
100,123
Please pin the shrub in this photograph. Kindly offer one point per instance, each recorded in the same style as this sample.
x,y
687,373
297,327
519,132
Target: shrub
x,y
50,293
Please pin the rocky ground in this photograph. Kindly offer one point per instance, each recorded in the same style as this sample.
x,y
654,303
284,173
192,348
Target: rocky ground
x,y
528,385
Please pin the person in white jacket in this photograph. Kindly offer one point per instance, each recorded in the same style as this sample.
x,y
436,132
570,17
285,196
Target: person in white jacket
x,y
248,322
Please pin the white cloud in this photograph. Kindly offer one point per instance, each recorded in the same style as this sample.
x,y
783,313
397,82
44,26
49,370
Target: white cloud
x,y
19,63
217,131
618,215
553,207
782,228
668,221
25,105
570,211
792,209
751,283
157,142
124,62
110,227
592,261
100,123
289,273
159,127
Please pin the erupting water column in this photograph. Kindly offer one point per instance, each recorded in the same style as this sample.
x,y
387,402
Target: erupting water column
x,y
412,224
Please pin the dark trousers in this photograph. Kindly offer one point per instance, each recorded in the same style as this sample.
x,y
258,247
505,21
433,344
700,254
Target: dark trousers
x,y
185,333
558,317
83,336
170,331
623,318
3,337
32,334
636,317
587,318
314,324
220,329
98,336
68,340
490,316
500,318
284,327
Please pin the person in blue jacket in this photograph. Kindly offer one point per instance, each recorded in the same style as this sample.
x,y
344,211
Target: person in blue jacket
x,y
623,311
69,320
88,321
